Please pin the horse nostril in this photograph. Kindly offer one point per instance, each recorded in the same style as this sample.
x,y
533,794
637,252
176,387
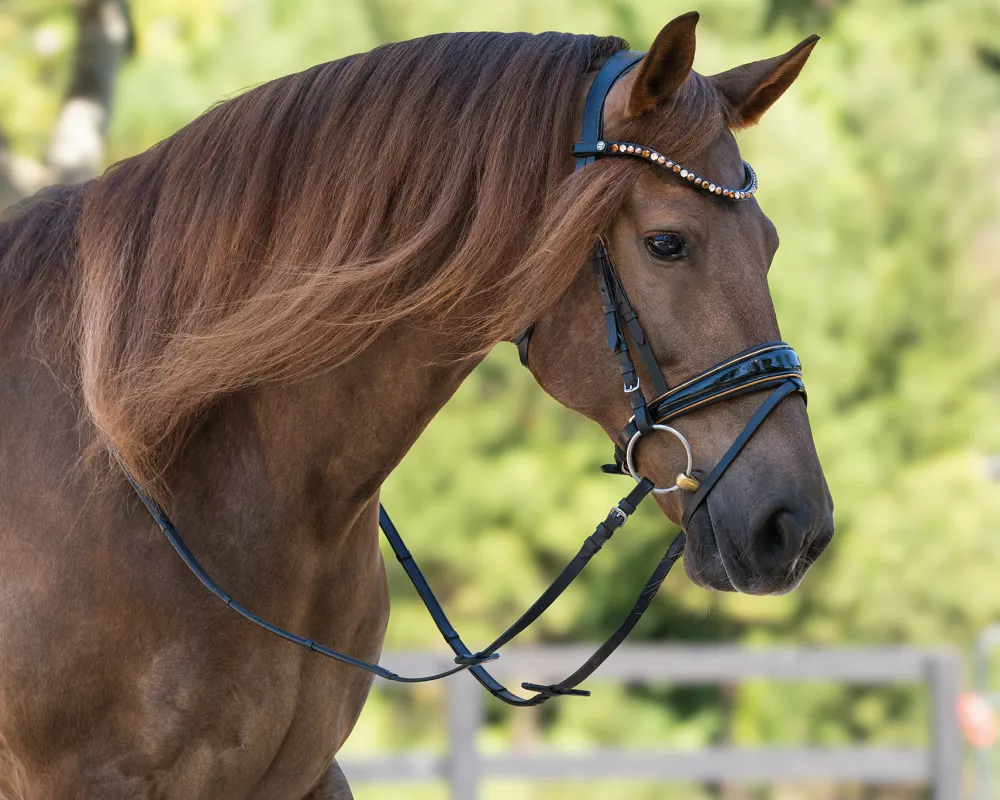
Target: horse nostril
x,y
776,543
772,538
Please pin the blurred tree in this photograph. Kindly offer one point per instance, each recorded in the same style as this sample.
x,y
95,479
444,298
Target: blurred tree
x,y
104,37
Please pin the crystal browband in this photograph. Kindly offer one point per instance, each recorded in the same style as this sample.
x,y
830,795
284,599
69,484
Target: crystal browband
x,y
603,149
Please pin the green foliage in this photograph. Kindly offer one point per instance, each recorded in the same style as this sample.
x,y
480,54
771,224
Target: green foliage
x,y
879,169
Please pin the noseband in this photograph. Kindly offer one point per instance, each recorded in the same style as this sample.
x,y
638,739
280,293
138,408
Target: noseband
x,y
772,366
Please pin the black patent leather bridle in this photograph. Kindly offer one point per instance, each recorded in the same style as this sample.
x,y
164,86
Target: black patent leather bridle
x,y
772,366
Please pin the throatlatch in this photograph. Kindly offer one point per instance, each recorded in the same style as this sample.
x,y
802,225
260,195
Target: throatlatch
x,y
772,366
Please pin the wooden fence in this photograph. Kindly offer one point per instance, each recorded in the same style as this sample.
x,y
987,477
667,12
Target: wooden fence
x,y
465,767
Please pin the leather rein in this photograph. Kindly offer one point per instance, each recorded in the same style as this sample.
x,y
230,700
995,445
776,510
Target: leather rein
x,y
772,366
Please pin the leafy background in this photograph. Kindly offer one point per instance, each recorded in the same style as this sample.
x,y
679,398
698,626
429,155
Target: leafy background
x,y
881,170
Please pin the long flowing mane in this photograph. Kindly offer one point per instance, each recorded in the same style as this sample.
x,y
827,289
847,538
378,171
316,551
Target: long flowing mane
x,y
284,230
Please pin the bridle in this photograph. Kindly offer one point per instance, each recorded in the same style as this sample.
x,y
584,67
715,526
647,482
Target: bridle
x,y
772,366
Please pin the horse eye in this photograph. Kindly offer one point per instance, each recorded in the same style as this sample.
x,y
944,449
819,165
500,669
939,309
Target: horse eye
x,y
666,246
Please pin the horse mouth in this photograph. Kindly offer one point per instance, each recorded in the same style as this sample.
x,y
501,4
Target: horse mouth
x,y
702,557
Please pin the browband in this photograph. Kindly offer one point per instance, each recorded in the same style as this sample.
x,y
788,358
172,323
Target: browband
x,y
592,145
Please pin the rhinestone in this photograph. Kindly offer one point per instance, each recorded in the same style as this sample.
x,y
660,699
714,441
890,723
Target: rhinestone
x,y
661,160
601,145
631,149
684,173
645,154
692,176
718,190
670,163
711,187
614,148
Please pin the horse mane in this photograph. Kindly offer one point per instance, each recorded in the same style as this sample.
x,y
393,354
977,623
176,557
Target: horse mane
x,y
284,230
37,253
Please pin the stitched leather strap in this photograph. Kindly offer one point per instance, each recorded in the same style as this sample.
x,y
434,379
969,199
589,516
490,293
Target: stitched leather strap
x,y
631,322
618,311
611,305
592,129
163,521
755,369
464,658
615,519
758,417
642,602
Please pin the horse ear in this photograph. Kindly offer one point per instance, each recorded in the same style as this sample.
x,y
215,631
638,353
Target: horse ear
x,y
664,68
752,88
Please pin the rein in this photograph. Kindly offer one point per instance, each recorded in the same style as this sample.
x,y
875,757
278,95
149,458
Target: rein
x,y
772,366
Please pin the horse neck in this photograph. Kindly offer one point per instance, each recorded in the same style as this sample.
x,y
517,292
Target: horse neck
x,y
333,439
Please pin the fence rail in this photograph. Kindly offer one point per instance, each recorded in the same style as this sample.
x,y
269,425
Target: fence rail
x,y
464,768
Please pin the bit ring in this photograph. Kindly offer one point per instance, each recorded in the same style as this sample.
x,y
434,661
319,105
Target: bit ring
x,y
629,462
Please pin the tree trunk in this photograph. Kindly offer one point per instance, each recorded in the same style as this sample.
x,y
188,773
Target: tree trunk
x,y
76,148
104,39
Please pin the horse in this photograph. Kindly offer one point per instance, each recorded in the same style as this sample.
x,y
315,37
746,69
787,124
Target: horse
x,y
256,318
